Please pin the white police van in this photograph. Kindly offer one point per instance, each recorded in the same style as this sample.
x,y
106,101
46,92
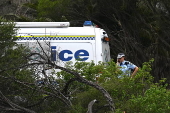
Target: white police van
x,y
64,43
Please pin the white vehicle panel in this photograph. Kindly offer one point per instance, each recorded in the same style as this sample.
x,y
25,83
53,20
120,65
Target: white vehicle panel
x,y
73,52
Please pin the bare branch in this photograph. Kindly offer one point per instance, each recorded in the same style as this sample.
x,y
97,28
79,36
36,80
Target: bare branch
x,y
91,105
15,106
82,80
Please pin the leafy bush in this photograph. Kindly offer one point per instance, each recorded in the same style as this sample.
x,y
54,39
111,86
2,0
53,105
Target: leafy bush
x,y
132,95
155,100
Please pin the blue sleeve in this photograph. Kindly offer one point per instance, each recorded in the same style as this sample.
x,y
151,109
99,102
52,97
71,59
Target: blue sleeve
x,y
131,66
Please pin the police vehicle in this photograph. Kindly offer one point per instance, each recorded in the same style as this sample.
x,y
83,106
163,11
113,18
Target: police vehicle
x,y
64,43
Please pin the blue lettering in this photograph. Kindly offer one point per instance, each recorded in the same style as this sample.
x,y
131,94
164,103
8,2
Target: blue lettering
x,y
80,53
53,53
61,55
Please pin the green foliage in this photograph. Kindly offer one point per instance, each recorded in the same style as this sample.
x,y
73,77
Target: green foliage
x,y
10,56
135,95
155,100
32,5
52,9
7,35
14,75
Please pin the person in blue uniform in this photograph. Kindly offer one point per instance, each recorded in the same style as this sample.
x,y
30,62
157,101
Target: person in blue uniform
x,y
126,67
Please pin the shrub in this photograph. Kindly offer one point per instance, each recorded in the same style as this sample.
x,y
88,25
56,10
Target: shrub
x,y
132,95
